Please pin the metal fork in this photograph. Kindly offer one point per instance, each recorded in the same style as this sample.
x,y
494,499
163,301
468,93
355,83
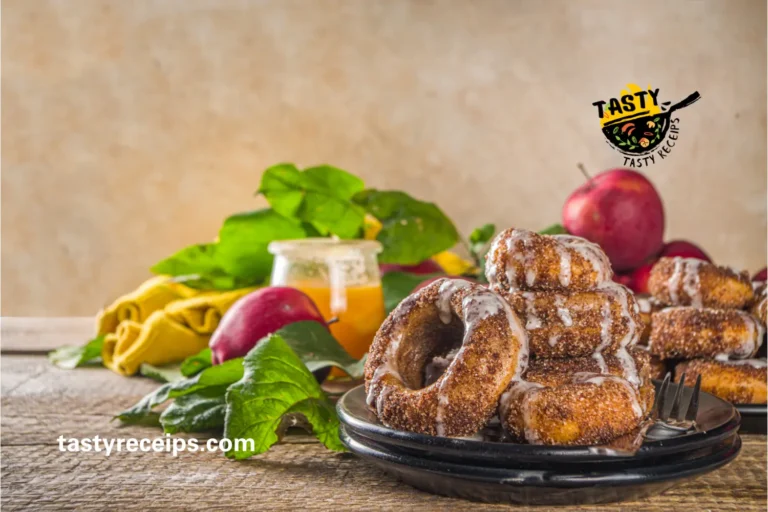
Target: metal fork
x,y
680,419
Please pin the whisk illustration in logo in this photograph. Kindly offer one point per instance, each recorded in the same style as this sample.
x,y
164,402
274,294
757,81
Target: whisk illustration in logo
x,y
640,126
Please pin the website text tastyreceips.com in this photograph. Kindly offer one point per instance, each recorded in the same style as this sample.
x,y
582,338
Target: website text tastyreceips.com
x,y
165,444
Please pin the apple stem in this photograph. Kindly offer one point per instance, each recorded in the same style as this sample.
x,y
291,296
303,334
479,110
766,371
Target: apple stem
x,y
332,321
584,171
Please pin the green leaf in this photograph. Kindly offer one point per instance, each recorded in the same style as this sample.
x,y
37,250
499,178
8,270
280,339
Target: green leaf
x,y
317,349
479,238
616,129
220,375
554,229
483,234
196,412
169,373
412,230
198,259
396,286
276,392
197,363
72,357
216,281
319,195
243,240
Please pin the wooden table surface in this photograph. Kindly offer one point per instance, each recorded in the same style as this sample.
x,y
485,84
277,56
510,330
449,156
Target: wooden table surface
x,y
41,403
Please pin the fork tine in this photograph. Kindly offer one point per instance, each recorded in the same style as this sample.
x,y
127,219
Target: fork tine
x,y
660,401
675,412
693,407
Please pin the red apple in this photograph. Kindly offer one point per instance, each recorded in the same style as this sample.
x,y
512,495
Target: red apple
x,y
431,280
762,275
683,249
625,279
425,267
638,278
258,314
621,211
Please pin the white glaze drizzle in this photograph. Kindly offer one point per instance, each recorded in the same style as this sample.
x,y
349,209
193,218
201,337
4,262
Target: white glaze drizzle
x,y
562,311
644,304
565,265
532,321
629,366
692,282
673,282
388,367
519,252
590,252
597,356
753,338
755,363
606,323
445,292
553,340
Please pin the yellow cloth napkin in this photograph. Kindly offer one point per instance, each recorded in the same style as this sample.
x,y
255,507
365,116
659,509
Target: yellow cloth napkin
x,y
137,305
170,335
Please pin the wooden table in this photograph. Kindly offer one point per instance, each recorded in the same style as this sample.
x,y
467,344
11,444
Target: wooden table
x,y
41,403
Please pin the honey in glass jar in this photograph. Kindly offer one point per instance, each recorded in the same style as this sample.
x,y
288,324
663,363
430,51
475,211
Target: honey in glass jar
x,y
342,278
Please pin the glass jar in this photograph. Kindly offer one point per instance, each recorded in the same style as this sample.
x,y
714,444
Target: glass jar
x,y
342,278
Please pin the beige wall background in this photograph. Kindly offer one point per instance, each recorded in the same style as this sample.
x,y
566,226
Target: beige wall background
x,y
132,128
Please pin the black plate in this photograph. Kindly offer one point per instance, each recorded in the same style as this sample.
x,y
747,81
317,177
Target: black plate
x,y
754,418
717,418
541,486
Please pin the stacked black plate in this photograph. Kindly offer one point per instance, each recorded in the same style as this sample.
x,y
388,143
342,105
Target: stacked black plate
x,y
754,418
540,475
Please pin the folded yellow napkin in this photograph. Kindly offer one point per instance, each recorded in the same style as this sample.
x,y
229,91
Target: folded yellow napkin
x,y
137,305
170,335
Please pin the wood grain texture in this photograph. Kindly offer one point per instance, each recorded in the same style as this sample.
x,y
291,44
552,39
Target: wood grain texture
x,y
41,402
30,334
133,128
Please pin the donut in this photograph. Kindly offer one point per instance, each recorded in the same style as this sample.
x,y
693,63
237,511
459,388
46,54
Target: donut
x,y
524,260
739,382
658,367
686,332
692,282
489,346
578,324
759,307
634,365
648,305
591,408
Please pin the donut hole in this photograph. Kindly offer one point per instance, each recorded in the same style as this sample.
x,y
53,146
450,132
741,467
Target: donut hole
x,y
427,348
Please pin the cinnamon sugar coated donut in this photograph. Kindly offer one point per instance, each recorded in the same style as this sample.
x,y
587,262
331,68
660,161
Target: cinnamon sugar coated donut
x,y
579,323
688,332
658,367
468,326
739,382
692,282
759,307
523,260
648,306
592,408
633,365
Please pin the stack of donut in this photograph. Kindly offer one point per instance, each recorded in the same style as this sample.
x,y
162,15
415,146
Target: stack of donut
x,y
548,347
709,323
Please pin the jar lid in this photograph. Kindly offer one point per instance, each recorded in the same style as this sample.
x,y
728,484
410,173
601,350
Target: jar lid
x,y
324,247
